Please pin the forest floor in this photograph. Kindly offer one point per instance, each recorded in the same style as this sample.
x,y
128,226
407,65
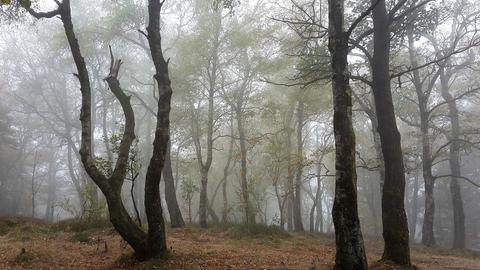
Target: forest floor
x,y
69,246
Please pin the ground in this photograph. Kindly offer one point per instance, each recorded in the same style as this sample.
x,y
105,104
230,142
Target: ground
x,y
65,246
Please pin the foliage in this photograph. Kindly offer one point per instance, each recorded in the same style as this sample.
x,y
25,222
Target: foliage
x,y
188,189
134,164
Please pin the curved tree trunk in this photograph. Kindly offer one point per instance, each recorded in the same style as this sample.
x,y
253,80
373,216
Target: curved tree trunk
x,y
176,219
153,205
145,245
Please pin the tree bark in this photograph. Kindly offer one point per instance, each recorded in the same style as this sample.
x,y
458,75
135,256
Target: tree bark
x,y
248,210
395,226
176,219
32,184
225,177
290,185
348,235
454,161
428,237
153,206
203,199
414,210
297,209
52,171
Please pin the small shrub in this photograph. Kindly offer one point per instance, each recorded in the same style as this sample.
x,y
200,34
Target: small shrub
x,y
3,230
256,231
23,257
125,261
80,225
81,237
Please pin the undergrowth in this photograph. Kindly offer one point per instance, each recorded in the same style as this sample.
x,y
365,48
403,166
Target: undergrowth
x,y
239,231
80,225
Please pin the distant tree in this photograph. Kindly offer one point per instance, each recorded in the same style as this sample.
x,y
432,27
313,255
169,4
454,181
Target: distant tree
x,y
188,189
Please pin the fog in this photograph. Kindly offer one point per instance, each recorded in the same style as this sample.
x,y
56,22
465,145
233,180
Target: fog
x,y
251,121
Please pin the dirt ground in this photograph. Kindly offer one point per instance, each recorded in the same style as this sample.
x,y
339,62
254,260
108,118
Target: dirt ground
x,y
193,248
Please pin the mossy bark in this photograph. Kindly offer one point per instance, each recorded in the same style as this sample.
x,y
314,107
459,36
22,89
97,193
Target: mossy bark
x,y
348,235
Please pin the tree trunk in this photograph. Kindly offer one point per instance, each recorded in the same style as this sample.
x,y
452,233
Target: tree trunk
x,y
225,202
32,184
428,237
176,219
153,206
395,226
280,203
212,214
203,199
290,184
52,171
348,235
226,172
248,210
134,202
204,166
414,211
454,161
297,207
319,218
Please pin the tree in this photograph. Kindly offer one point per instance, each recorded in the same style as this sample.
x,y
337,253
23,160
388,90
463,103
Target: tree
x,y
212,14
152,244
423,98
463,30
348,235
176,219
395,226
188,189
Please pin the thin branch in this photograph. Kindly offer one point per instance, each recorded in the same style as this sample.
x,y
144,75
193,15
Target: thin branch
x,y
459,177
361,17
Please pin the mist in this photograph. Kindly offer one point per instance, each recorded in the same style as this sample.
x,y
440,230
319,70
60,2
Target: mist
x,y
353,121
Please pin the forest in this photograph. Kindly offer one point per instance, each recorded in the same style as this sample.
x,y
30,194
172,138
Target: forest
x,y
240,134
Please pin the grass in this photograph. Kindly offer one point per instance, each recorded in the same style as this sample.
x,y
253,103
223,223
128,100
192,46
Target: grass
x,y
82,237
23,228
465,253
257,231
80,225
